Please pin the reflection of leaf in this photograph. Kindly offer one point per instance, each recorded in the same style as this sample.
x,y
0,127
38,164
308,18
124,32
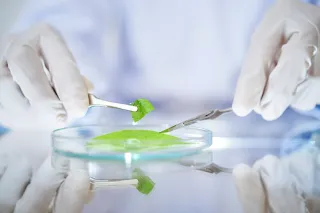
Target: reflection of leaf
x,y
135,140
144,107
145,184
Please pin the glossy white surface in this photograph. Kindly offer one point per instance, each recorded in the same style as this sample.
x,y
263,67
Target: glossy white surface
x,y
236,140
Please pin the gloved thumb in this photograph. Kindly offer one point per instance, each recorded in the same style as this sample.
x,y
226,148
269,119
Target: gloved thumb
x,y
73,193
249,189
313,204
68,190
89,87
41,190
88,84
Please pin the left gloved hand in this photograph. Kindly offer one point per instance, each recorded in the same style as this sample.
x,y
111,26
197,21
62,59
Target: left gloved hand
x,y
287,185
29,183
282,65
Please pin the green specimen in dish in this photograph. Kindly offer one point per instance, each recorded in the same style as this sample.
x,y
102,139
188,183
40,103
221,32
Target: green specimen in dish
x,y
144,107
135,141
145,184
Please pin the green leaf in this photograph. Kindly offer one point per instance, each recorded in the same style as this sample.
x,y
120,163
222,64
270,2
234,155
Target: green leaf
x,y
135,141
145,184
144,107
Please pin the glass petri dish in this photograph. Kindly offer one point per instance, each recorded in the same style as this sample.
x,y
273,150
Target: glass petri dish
x,y
177,187
69,148
64,140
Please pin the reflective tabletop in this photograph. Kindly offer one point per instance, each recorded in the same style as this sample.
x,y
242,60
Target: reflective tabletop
x,y
235,140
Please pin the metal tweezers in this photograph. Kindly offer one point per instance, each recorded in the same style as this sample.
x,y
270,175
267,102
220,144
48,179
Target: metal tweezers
x,y
100,184
94,101
206,116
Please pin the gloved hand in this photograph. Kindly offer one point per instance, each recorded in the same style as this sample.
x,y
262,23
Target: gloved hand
x,y
281,68
29,183
290,184
40,81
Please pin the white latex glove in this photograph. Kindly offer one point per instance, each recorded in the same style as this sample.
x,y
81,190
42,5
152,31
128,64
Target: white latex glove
x,y
40,81
280,69
29,183
281,185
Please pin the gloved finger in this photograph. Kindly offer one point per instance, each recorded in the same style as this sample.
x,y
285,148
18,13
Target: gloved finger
x,y
313,204
307,95
73,193
46,182
293,65
42,189
304,98
66,77
261,58
88,84
283,193
250,190
13,183
26,68
11,97
3,166
267,165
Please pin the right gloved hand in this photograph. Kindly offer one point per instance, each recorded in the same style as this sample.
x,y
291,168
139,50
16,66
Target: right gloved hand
x,y
282,67
289,184
40,81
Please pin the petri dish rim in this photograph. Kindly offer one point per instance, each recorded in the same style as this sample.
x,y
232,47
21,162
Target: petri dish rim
x,y
58,134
